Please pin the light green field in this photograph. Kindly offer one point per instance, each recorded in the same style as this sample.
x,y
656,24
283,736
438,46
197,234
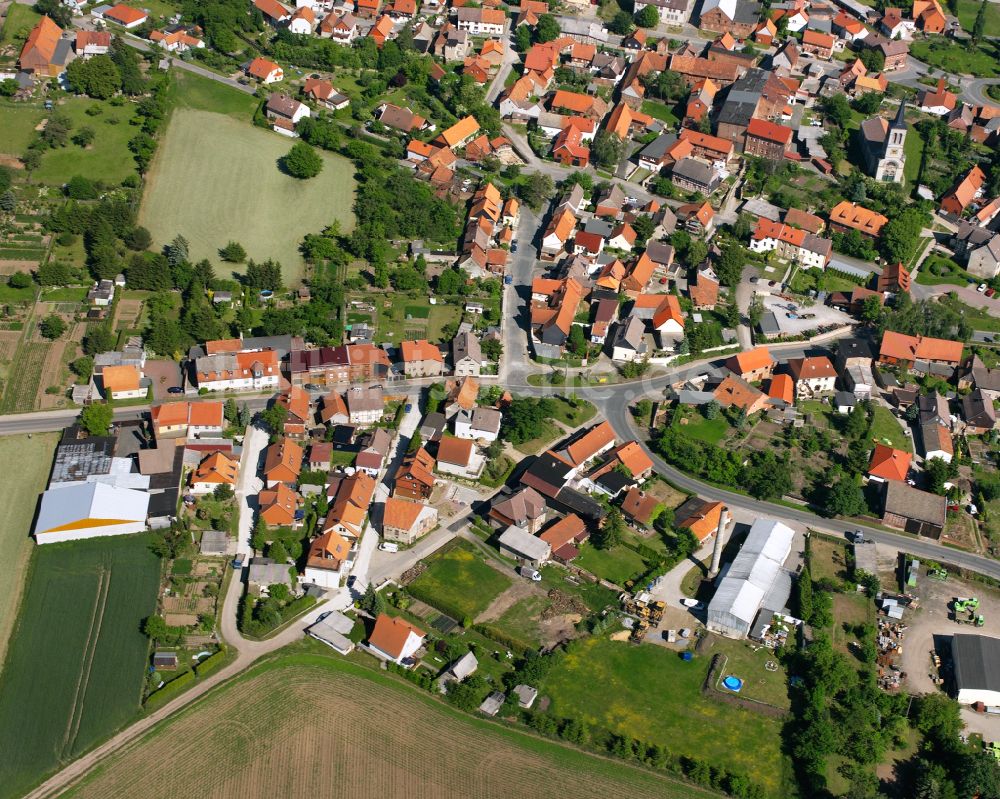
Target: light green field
x,y
18,23
108,159
18,128
649,693
887,426
203,94
74,669
18,493
458,582
967,11
215,179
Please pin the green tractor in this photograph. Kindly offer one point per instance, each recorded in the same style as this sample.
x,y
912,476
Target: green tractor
x,y
938,574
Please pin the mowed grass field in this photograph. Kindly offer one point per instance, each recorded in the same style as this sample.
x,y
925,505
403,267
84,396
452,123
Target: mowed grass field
x,y
108,159
18,493
215,179
650,694
75,666
458,582
18,126
313,724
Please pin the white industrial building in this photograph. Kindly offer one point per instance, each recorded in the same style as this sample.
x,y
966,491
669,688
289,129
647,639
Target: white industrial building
x,y
71,512
756,580
976,660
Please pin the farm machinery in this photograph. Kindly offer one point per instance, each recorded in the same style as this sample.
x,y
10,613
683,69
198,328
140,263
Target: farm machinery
x,y
938,574
965,604
643,607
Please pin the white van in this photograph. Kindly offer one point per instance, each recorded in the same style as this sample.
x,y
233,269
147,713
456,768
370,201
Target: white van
x,y
389,546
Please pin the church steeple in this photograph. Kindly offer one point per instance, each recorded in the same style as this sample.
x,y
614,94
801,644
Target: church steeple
x,y
900,120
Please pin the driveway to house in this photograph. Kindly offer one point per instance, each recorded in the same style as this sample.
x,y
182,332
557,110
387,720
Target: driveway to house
x,y
510,58
248,486
515,318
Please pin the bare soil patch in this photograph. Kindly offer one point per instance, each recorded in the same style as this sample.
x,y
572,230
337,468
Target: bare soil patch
x,y
505,601
9,266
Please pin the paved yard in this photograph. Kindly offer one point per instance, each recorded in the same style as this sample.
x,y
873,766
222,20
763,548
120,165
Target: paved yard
x,y
165,375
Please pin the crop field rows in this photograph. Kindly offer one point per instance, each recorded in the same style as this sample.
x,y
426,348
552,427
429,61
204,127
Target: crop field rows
x,y
251,738
21,388
75,665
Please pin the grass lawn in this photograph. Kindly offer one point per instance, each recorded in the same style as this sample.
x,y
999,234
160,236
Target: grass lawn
x,y
227,172
957,58
850,609
459,582
758,683
75,667
978,318
536,445
19,122
594,595
659,111
913,148
108,159
967,11
617,564
201,94
827,558
17,25
710,431
438,750
649,693
401,317
573,415
805,280
887,426
33,457
520,621
937,270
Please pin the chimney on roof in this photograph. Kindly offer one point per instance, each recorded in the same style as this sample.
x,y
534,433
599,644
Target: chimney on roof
x,y
717,548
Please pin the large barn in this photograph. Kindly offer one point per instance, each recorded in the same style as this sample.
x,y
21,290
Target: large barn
x,y
977,669
756,580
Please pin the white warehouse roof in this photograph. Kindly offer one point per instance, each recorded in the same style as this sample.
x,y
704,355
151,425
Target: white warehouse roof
x,y
754,574
81,509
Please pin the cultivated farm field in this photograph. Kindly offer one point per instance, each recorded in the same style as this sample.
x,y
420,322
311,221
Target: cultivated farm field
x,y
74,668
215,179
21,485
305,724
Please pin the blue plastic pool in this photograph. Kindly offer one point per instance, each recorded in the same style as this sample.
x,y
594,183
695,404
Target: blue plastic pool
x,y
734,684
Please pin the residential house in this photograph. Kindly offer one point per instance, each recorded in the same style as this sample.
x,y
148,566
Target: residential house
x,y
481,21
414,479
552,314
629,341
334,410
91,43
969,188
298,417
818,44
382,30
254,370
302,21
734,391
729,16
215,470
329,558
854,361
273,11
690,174
938,101
320,457
354,363
461,396
563,535
421,359
324,94
672,12
888,463
479,424
752,365
781,390
124,382
978,413
458,134
936,441
395,639
767,139
405,521
365,405
894,53
191,420
397,118
278,506
525,508
979,247
895,278
568,148
640,508
177,41
903,350
348,513
847,216
703,290
265,71
282,463
814,376
458,456
342,29
698,218
373,452
982,379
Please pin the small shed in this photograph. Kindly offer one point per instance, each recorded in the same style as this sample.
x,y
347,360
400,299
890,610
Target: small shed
x,y
524,547
214,542
491,705
164,661
332,629
464,667
526,695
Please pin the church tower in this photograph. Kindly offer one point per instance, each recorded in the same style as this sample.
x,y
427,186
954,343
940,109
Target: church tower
x,y
891,164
